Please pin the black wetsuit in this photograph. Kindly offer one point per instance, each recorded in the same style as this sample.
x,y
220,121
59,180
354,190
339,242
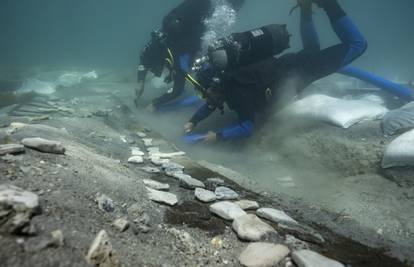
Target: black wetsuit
x,y
250,89
184,28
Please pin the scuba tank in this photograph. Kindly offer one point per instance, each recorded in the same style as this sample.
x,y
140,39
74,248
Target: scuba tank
x,y
240,49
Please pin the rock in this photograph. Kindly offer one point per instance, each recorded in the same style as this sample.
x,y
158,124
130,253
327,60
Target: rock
x,y
149,169
215,181
121,224
136,160
162,197
101,253
308,258
227,210
249,227
247,204
44,145
303,232
11,149
294,243
171,167
136,151
275,215
135,210
225,193
263,255
189,182
204,195
158,161
142,134
156,185
147,142
153,150
105,203
58,239
17,207
168,155
40,118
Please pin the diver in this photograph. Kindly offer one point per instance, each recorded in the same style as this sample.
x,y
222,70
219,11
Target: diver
x,y
248,89
175,46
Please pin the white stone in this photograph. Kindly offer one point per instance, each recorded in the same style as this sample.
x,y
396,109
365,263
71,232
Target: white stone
x,y
147,142
308,258
136,159
249,227
44,145
167,155
227,210
11,149
189,182
101,252
225,193
136,151
172,166
275,215
247,204
142,134
156,185
18,198
158,161
153,150
205,195
263,255
121,224
162,197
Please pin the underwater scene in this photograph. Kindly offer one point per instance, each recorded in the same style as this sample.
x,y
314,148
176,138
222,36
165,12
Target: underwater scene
x,y
256,133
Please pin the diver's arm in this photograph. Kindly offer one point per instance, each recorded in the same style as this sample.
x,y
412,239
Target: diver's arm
x,y
201,114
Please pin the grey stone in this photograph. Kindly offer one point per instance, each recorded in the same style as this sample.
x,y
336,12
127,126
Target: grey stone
x,y
101,252
172,167
205,195
121,224
215,181
156,185
105,203
295,243
308,258
158,161
263,255
227,210
58,239
11,149
44,145
225,193
275,215
247,204
249,227
303,232
17,207
189,182
162,197
147,142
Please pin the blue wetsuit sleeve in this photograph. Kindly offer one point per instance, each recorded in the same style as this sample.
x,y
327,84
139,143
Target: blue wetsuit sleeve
x,y
241,130
202,113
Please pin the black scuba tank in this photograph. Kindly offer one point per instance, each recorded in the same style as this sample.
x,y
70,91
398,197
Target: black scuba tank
x,y
240,49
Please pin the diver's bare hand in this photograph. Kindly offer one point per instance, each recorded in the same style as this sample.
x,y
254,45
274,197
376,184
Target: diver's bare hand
x,y
211,137
188,127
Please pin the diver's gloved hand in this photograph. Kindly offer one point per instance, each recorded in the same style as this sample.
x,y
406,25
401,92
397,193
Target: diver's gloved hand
x,y
188,127
211,137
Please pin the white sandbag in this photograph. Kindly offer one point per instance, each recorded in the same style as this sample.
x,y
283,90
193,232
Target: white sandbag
x,y
339,112
37,86
399,120
74,78
400,152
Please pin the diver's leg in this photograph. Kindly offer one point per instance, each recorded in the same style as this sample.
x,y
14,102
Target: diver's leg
x,y
309,35
176,91
318,65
